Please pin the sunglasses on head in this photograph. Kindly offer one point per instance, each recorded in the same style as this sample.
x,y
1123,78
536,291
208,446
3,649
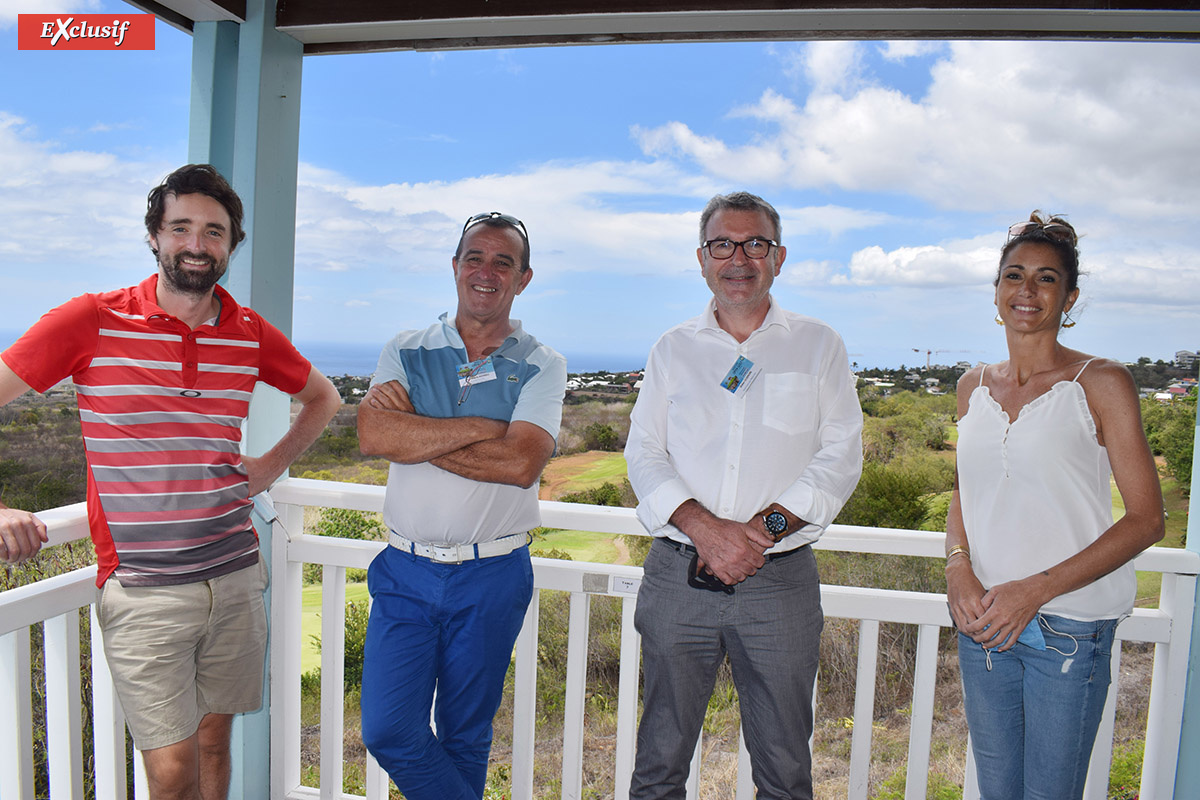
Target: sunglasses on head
x,y
511,220
1057,231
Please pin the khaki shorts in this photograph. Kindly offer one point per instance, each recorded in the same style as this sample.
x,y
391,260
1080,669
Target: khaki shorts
x,y
179,652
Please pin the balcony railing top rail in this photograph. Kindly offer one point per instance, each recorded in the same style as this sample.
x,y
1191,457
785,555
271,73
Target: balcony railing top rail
x,y
54,603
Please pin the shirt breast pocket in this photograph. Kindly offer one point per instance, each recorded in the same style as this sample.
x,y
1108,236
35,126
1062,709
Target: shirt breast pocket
x,y
790,402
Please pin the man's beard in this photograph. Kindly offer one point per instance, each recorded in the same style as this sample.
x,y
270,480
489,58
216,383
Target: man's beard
x,y
189,281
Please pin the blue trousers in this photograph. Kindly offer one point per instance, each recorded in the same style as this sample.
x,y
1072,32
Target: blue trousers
x,y
1034,714
449,627
770,627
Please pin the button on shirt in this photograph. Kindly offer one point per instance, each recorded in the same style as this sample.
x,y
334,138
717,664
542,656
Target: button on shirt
x,y
791,435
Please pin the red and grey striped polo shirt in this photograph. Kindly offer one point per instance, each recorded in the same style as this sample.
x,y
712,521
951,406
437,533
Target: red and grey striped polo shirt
x,y
161,407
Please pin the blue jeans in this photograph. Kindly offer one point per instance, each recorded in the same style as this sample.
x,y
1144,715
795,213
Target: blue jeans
x,y
770,627
1033,715
449,627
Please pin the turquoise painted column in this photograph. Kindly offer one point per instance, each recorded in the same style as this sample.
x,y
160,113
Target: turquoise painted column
x,y
1187,775
214,95
266,148
245,120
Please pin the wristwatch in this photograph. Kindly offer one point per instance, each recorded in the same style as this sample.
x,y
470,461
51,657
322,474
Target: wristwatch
x,y
776,524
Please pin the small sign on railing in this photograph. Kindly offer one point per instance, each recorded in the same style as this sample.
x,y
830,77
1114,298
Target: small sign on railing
x,y
624,585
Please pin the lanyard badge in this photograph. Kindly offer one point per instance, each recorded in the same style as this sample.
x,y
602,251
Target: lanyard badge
x,y
740,377
473,372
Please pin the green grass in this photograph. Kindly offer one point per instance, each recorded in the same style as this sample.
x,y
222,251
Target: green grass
x,y
310,621
610,468
1176,506
581,545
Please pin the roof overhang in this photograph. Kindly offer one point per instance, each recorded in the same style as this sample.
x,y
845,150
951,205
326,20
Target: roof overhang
x,y
376,25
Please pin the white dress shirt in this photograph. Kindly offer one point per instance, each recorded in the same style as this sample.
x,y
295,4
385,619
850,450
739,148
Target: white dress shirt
x,y
792,433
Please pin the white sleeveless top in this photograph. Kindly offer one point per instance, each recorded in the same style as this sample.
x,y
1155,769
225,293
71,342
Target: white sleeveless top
x,y
1035,491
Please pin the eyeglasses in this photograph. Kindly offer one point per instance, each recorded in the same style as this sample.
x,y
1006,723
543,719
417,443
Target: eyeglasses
x,y
722,249
1055,230
516,223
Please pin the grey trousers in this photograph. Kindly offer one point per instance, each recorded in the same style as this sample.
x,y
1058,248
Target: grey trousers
x,y
771,628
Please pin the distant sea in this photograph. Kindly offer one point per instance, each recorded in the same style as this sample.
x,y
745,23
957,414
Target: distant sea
x,y
343,358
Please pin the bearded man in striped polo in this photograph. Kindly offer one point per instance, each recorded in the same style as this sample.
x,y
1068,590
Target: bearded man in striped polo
x,y
163,373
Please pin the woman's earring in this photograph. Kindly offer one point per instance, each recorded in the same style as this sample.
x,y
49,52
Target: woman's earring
x,y
1068,322
1001,322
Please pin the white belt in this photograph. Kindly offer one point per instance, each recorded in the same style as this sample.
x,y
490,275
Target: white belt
x,y
458,553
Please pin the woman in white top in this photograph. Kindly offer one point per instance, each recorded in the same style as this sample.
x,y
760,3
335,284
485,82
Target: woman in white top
x,y
1038,575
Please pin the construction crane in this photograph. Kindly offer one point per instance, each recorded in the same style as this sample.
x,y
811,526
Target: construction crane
x,y
929,354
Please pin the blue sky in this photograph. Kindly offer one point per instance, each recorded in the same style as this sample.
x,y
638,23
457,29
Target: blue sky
x,y
896,167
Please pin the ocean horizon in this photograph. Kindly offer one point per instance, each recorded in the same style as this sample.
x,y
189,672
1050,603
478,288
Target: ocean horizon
x,y
360,358
348,358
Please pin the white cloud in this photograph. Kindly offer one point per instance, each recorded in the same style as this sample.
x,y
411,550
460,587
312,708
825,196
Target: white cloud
x,y
902,49
928,265
64,206
1072,124
833,67
9,9
413,227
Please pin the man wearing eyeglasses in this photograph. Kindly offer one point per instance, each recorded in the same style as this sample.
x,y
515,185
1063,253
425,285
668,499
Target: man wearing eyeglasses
x,y
745,442
467,411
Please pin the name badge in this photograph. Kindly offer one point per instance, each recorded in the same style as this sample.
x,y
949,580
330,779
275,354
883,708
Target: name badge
x,y
473,372
740,377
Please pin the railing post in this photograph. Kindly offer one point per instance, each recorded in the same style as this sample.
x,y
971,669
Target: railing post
x,y
285,596
525,701
864,708
577,646
627,699
64,727
1165,725
108,723
333,672
16,706
920,732
1187,777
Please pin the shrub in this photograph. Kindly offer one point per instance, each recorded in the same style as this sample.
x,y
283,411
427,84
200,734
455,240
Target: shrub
x,y
349,524
346,524
357,614
606,494
1125,775
599,436
886,497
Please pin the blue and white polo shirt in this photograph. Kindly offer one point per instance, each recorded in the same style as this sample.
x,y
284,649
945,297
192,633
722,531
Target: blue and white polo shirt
x,y
430,505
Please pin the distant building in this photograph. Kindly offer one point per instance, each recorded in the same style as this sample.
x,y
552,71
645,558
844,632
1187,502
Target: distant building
x,y
1186,359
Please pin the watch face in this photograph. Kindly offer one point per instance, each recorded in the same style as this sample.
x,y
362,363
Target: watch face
x,y
776,523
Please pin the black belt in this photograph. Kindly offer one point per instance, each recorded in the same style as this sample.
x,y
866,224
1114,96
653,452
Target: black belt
x,y
688,549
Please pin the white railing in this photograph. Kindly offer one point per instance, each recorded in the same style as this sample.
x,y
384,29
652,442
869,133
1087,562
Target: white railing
x,y
54,604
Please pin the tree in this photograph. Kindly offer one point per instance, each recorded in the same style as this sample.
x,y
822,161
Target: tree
x,y
346,523
886,497
599,436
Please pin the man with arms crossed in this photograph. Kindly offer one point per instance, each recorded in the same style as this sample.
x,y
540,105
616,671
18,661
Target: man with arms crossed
x,y
745,443
163,373
467,411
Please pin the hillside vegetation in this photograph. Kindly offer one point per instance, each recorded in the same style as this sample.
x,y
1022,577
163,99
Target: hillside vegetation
x,y
908,473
